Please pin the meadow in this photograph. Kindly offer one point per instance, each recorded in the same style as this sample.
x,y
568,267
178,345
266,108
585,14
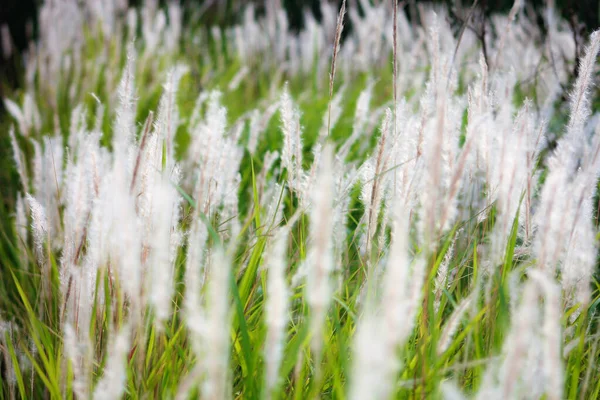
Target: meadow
x,y
399,208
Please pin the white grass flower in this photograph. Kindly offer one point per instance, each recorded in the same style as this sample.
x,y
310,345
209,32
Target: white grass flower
x,y
551,334
161,268
124,128
580,105
238,78
19,160
375,178
77,350
216,329
15,111
112,384
276,308
319,261
167,120
195,267
373,362
39,226
291,153
442,278
21,229
453,324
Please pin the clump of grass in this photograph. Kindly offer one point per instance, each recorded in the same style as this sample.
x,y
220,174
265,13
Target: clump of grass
x,y
248,212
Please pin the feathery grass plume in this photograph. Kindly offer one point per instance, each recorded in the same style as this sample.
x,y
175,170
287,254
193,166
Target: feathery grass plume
x,y
39,226
291,153
510,379
551,334
208,323
276,309
148,155
15,111
207,147
265,185
77,128
153,26
254,131
78,350
526,212
19,160
160,261
407,164
238,78
21,230
453,324
441,279
112,385
550,220
581,247
361,116
478,114
116,229
258,124
532,364
383,329
167,119
402,282
27,117
517,6
570,147
120,232
319,260
31,111
173,30
439,131
372,361
195,269
344,180
79,187
374,180
450,391
77,274
150,165
124,128
76,316
216,159
513,174
558,215
215,330
176,235
48,183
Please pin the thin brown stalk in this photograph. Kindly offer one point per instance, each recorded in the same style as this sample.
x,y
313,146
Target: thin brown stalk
x,y
336,47
463,27
373,212
395,57
511,17
66,301
454,184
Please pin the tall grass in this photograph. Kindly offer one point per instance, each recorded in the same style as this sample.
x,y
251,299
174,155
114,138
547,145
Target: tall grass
x,y
250,212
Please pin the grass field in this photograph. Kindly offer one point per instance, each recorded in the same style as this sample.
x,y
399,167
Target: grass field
x,y
250,212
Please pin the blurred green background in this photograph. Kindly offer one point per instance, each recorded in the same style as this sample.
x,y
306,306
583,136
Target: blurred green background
x,y
20,16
